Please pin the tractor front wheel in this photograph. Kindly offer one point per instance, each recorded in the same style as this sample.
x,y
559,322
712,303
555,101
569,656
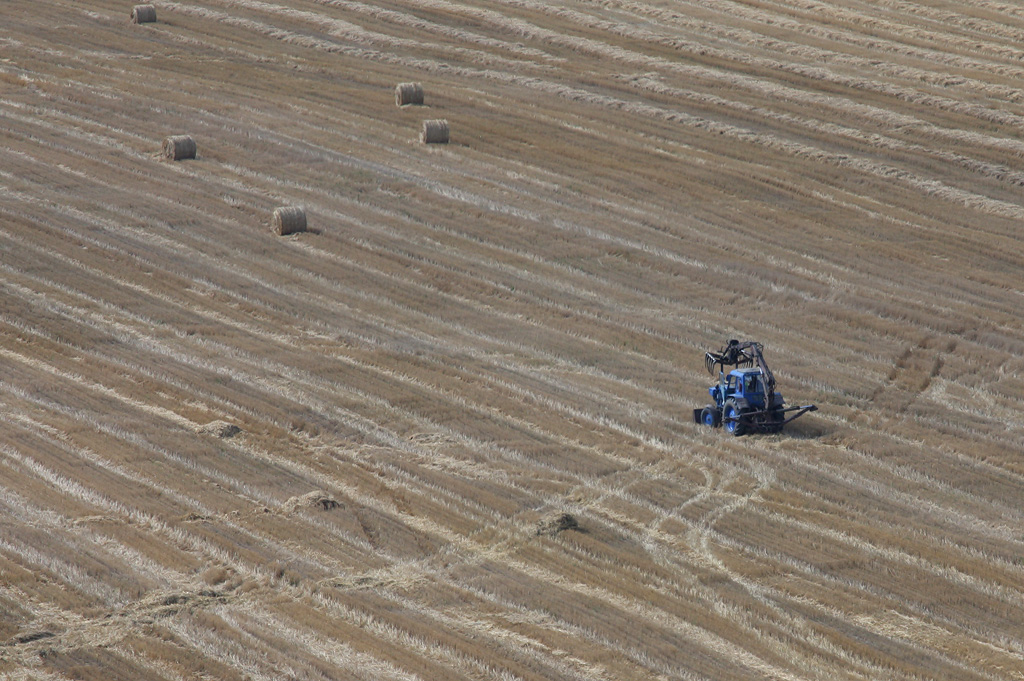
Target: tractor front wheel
x,y
710,417
732,418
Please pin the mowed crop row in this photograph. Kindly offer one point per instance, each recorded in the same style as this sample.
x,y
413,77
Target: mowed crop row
x,y
475,338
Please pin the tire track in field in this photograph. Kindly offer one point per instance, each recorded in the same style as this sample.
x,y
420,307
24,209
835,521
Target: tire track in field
x,y
235,483
90,626
174,534
786,634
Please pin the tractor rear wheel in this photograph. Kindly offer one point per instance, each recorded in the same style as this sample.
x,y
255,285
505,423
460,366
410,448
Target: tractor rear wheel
x,y
732,418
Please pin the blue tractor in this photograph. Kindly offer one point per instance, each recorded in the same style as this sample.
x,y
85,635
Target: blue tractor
x,y
744,400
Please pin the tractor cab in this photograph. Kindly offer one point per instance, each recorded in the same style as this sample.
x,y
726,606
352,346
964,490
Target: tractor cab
x,y
742,385
746,384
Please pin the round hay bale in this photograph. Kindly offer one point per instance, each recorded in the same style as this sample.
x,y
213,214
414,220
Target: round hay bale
x,y
288,220
555,523
408,93
435,132
178,147
143,14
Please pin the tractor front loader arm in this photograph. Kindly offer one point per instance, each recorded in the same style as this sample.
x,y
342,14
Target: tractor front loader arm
x,y
747,353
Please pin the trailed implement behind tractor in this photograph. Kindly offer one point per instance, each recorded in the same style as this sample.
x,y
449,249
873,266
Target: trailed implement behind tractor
x,y
744,400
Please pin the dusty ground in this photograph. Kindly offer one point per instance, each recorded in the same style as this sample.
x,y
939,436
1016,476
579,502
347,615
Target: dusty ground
x,y
445,433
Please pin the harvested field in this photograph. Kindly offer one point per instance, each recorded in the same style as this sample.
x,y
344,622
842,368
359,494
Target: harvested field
x,y
355,453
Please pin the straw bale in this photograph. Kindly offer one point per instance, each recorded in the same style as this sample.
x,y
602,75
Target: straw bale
x,y
143,14
178,147
219,429
288,220
313,500
408,93
557,522
435,132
